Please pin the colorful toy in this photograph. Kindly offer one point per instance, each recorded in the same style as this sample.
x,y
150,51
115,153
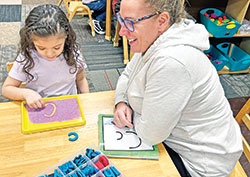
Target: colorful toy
x,y
80,160
75,136
238,59
220,20
211,58
83,164
218,23
216,57
90,153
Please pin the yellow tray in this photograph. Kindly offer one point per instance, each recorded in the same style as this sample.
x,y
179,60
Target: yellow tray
x,y
29,127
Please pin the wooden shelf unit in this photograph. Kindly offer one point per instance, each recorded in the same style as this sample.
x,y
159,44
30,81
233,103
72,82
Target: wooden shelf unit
x,y
237,9
226,70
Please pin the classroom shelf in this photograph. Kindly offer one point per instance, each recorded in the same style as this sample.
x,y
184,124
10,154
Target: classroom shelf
x,y
235,35
226,70
238,10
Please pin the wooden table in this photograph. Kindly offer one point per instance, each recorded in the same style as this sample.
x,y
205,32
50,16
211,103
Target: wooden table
x,y
26,155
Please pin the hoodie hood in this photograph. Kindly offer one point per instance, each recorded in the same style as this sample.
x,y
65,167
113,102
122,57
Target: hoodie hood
x,y
185,32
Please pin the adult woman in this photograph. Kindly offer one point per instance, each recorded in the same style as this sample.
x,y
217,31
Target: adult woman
x,y
174,91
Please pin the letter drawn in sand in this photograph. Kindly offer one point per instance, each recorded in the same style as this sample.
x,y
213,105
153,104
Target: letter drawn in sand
x,y
53,112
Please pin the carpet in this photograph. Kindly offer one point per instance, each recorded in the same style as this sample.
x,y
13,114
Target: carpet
x,y
105,64
236,85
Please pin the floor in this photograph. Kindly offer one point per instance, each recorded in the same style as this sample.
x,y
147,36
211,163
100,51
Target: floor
x,y
105,63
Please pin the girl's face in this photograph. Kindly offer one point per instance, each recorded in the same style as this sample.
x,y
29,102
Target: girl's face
x,y
49,47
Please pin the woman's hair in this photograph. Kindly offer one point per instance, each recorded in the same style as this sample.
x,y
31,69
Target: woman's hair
x,y
175,8
43,21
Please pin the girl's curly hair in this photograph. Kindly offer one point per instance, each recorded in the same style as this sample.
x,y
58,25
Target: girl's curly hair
x,y
43,21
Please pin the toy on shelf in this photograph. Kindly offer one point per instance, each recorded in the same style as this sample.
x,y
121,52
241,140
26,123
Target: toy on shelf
x,y
220,20
211,58
218,24
237,59
89,162
216,57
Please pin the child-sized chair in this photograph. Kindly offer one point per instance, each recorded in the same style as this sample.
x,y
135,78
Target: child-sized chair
x,y
9,66
243,118
59,3
77,8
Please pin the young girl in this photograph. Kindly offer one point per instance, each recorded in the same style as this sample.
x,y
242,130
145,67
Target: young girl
x,y
48,60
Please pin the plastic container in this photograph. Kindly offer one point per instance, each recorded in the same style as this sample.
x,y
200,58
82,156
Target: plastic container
x,y
216,57
219,31
237,58
82,164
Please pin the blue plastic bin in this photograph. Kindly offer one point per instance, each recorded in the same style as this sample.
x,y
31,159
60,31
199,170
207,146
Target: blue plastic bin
x,y
218,57
218,31
237,58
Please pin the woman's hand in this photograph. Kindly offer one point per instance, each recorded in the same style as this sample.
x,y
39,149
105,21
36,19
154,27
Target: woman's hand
x,y
122,115
33,99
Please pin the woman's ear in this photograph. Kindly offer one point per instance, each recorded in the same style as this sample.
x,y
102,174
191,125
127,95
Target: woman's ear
x,y
164,21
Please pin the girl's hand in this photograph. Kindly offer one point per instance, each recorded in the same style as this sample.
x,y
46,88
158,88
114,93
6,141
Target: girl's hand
x,y
33,99
122,115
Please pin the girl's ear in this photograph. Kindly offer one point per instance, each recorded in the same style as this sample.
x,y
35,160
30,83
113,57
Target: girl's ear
x,y
164,21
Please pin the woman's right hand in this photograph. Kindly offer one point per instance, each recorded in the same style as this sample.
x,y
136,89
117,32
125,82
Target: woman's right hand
x,y
33,99
123,115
